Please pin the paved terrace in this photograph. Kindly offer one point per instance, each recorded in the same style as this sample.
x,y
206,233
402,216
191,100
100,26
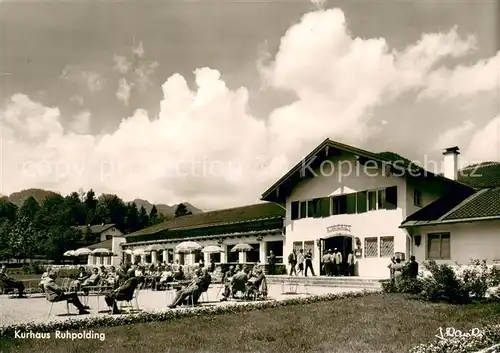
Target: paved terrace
x,y
36,308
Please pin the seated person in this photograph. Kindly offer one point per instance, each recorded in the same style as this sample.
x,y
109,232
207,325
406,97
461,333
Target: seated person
x,y
139,271
179,274
44,277
198,285
54,294
228,274
93,280
82,276
256,281
112,278
8,282
237,283
123,293
166,276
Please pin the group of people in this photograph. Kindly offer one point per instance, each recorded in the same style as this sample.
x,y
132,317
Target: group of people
x,y
398,268
300,263
242,279
333,263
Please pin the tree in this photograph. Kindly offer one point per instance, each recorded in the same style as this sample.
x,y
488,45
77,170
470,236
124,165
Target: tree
x,y
116,208
143,218
90,201
24,239
132,221
29,208
5,230
153,216
182,210
8,210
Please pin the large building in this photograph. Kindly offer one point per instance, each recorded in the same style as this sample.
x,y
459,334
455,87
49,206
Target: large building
x,y
377,205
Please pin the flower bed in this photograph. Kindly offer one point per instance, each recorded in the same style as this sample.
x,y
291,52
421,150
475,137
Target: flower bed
x,y
485,338
144,317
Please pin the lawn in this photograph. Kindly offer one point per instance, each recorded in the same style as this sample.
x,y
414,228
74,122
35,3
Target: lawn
x,y
378,323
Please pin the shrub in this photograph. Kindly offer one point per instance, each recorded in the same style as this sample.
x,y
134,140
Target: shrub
x,y
474,278
67,273
33,268
443,284
494,277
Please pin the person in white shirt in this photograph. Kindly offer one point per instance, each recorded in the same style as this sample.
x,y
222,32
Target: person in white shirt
x,y
300,262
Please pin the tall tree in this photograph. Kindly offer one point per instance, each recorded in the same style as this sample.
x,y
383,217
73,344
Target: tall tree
x,y
90,200
116,208
5,232
143,218
24,239
8,210
153,216
132,221
29,208
182,210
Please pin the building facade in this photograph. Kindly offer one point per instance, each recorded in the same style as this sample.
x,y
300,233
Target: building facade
x,y
259,225
354,200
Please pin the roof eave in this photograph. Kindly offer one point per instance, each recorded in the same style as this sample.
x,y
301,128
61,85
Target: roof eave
x,y
449,221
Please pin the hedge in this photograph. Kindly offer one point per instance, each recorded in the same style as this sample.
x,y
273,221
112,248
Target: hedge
x,y
172,314
486,337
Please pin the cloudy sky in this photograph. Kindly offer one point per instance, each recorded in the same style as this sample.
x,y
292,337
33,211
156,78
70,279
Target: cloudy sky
x,y
210,101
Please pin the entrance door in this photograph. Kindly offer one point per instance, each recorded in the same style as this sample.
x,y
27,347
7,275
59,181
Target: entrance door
x,y
343,243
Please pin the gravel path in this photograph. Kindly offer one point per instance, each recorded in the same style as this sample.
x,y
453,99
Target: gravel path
x,y
36,308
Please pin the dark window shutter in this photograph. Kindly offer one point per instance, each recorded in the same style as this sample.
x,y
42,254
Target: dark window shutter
x,y
303,209
325,207
335,205
391,198
351,203
361,201
295,210
316,208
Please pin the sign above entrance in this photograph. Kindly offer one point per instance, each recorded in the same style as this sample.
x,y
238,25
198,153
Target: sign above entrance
x,y
339,228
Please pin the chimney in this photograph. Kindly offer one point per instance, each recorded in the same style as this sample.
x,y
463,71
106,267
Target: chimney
x,y
451,162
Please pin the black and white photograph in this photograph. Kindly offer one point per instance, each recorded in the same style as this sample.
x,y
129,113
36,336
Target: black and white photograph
x,y
255,176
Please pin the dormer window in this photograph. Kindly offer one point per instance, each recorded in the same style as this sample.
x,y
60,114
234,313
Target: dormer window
x,y
417,198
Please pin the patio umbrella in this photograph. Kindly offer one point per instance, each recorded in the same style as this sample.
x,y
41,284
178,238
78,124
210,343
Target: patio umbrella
x,y
82,252
187,246
212,249
102,252
154,247
241,247
69,253
129,252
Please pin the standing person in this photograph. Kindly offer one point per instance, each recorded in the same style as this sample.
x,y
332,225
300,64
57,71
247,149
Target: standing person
x,y
413,267
272,262
292,261
308,259
300,262
351,263
338,262
327,263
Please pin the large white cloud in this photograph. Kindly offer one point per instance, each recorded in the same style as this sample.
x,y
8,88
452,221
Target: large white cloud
x,y
205,146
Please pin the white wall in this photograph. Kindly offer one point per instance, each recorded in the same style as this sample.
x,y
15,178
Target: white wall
x,y
370,224
117,249
479,240
111,232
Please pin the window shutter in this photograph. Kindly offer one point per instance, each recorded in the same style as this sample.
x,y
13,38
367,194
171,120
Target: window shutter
x,y
303,209
391,198
295,210
361,202
351,203
325,207
316,208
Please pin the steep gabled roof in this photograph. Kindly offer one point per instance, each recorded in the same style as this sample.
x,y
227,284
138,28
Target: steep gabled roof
x,y
278,191
260,211
107,244
481,205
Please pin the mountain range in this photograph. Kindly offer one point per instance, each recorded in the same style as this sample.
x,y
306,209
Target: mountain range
x,y
40,195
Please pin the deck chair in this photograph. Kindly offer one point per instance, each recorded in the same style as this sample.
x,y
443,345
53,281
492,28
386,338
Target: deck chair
x,y
129,303
52,305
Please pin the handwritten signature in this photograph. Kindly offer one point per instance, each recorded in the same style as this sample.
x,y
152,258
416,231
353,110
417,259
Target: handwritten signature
x,y
451,332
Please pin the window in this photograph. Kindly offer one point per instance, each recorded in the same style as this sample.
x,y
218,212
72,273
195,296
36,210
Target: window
x,y
295,210
303,209
371,247
297,245
438,246
391,198
380,199
312,208
386,246
339,205
309,245
417,198
361,202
